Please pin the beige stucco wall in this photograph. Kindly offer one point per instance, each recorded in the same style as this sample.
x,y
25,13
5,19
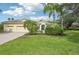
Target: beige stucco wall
x,y
14,28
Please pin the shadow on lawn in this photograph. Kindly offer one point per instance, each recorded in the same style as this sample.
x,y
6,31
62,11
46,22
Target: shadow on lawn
x,y
73,36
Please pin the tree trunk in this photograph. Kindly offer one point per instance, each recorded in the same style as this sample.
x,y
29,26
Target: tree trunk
x,y
53,16
62,25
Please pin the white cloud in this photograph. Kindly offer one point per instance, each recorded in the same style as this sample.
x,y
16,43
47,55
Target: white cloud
x,y
32,6
13,7
25,9
40,17
17,11
33,13
30,13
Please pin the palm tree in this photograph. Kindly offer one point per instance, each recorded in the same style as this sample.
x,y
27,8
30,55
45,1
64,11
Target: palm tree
x,y
51,8
61,10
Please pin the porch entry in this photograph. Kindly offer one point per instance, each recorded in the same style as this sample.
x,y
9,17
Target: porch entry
x,y
42,28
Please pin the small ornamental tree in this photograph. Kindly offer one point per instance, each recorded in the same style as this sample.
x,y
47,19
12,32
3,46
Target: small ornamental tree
x,y
31,26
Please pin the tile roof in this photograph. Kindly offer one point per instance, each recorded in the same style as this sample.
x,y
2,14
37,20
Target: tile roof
x,y
13,22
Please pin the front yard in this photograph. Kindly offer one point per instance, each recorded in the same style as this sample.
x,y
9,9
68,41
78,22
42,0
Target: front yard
x,y
43,44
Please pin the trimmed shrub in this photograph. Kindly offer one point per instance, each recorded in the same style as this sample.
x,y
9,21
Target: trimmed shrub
x,y
49,30
54,29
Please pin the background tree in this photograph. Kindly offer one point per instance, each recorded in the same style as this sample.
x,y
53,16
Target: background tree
x,y
68,20
73,15
1,27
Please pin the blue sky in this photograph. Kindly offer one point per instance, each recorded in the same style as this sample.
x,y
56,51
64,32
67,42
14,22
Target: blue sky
x,y
32,11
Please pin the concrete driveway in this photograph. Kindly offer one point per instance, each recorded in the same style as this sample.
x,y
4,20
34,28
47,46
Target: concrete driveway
x,y
5,37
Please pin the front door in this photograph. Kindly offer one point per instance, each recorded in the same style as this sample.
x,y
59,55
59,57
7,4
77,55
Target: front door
x,y
42,28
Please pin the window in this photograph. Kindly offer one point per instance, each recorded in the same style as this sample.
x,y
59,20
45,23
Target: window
x,y
9,26
19,26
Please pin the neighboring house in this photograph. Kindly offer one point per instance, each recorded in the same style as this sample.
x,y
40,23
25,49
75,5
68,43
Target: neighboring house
x,y
14,26
74,25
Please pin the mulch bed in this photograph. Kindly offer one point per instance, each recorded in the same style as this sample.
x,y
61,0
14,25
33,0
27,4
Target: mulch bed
x,y
46,34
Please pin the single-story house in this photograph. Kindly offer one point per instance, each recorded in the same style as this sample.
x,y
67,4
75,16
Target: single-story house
x,y
14,26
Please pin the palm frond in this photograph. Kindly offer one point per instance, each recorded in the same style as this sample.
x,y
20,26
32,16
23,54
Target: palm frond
x,y
0,10
50,13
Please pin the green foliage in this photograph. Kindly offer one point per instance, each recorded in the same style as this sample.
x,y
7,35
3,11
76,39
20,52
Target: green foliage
x,y
57,28
54,29
49,29
31,26
1,27
68,20
52,8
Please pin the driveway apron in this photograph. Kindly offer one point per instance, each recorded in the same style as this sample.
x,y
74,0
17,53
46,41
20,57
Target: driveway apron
x,y
5,37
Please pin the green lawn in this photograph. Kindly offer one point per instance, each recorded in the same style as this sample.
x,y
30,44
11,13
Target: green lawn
x,y
43,44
